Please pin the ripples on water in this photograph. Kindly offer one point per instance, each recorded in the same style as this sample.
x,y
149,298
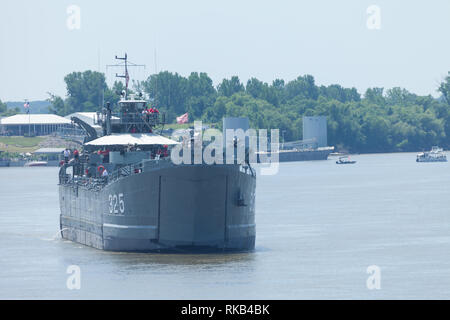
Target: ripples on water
x,y
319,226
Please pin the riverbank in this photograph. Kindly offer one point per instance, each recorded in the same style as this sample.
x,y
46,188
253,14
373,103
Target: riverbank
x,y
16,151
18,145
381,152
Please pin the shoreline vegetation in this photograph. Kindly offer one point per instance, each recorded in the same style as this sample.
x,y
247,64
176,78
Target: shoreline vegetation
x,y
13,146
378,121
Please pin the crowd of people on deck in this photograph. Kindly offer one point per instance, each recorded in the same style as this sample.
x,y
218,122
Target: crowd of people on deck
x,y
150,110
73,156
78,162
69,155
148,113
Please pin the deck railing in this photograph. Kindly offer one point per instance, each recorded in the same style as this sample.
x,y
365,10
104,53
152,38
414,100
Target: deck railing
x,y
97,183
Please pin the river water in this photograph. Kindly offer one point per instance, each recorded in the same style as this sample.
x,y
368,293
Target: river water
x,y
319,227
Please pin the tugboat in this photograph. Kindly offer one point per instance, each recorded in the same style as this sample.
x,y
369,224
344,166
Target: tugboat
x,y
123,192
435,155
345,160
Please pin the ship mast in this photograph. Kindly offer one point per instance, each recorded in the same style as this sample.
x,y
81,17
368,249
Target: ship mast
x,y
127,64
126,75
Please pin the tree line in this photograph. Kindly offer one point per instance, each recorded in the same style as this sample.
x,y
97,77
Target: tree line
x,y
5,112
379,121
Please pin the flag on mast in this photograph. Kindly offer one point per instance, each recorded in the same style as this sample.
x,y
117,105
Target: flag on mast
x,y
27,106
183,119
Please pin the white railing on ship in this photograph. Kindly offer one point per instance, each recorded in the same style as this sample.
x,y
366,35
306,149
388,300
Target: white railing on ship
x,y
147,165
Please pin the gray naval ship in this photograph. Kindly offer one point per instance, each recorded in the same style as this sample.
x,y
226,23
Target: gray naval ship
x,y
123,192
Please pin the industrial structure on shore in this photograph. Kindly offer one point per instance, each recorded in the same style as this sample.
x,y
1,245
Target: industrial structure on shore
x,y
314,145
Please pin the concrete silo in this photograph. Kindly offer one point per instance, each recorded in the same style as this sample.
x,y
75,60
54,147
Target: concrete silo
x,y
315,128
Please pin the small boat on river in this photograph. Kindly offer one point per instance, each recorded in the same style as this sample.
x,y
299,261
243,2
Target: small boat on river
x,y
345,160
435,155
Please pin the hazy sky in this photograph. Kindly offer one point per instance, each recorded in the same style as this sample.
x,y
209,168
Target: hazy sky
x,y
266,39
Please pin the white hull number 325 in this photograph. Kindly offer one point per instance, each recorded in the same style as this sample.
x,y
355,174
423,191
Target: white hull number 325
x,y
116,204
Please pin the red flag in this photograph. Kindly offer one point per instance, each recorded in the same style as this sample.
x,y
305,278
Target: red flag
x,y
27,107
183,119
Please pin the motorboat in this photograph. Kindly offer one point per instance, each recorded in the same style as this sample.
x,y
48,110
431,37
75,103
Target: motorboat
x,y
435,155
345,160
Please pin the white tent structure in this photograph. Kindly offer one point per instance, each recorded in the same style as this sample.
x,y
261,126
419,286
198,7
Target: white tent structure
x,y
36,124
140,139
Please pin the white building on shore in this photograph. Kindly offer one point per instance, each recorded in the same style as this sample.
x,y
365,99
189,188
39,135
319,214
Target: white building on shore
x,y
33,124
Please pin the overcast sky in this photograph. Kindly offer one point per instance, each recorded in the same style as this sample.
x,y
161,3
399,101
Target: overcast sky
x,y
264,39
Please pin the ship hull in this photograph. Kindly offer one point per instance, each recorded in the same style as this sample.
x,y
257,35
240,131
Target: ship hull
x,y
431,160
177,208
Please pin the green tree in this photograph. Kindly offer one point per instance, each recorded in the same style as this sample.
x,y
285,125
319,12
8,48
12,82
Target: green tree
x,y
229,87
57,105
399,96
215,113
375,96
201,94
444,88
85,91
113,95
5,112
304,87
339,93
262,90
3,107
168,92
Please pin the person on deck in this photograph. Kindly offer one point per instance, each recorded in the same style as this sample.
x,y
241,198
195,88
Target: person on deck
x,y
105,154
66,155
106,157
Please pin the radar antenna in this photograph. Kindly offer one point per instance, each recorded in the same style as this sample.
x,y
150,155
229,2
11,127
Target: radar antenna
x,y
126,64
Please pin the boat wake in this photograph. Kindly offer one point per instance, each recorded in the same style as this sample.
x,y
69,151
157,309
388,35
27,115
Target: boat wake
x,y
57,236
